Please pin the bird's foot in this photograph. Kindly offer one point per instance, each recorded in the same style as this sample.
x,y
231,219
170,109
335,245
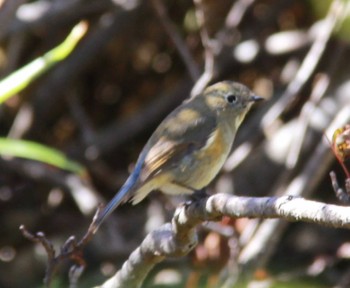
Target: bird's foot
x,y
196,196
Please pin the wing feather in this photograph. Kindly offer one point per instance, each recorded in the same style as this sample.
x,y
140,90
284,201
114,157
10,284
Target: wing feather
x,y
181,133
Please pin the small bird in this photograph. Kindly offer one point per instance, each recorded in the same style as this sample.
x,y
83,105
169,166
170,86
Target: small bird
x,y
189,147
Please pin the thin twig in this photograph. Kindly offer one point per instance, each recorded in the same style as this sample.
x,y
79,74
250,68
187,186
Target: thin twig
x,y
309,107
40,238
22,122
335,15
180,44
81,118
70,250
237,12
209,51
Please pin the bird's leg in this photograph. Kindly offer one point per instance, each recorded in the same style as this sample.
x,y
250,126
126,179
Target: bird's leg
x,y
342,195
197,195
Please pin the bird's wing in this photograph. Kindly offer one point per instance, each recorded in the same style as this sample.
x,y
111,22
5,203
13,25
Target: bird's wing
x,y
175,139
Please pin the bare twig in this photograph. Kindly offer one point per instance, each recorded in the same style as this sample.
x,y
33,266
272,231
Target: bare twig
x,y
180,44
309,107
71,250
83,192
22,122
209,51
335,15
233,19
40,237
236,13
81,118
177,238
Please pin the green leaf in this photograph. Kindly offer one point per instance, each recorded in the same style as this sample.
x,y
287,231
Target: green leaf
x,y
20,79
35,151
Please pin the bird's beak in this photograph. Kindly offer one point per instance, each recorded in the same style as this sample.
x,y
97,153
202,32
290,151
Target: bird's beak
x,y
255,98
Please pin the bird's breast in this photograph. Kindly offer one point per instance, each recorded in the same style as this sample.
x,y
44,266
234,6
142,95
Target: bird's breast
x,y
210,158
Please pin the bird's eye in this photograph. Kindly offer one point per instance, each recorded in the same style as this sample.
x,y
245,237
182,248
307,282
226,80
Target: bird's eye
x,y
231,98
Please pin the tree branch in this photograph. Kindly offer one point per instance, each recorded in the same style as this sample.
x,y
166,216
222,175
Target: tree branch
x,y
179,237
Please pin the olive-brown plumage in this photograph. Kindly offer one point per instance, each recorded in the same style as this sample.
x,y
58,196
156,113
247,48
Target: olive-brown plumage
x,y
189,147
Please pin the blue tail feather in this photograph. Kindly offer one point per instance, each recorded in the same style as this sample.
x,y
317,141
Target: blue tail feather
x,y
122,195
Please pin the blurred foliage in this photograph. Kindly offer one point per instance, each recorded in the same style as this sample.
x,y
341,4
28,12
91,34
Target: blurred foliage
x,y
320,9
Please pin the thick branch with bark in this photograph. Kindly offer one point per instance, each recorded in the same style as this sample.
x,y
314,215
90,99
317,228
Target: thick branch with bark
x,y
179,237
